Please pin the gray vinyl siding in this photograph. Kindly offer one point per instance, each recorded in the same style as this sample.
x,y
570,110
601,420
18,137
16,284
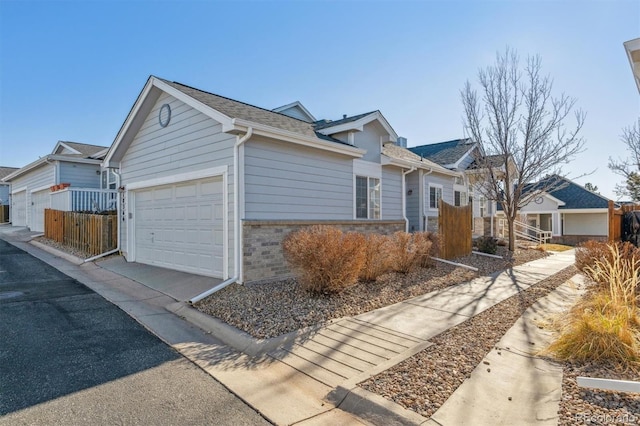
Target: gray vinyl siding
x,y
35,179
369,139
413,200
447,191
191,142
4,194
80,175
284,181
391,193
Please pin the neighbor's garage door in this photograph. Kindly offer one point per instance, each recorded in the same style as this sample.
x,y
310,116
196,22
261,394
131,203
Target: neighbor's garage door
x,y
19,208
39,201
181,226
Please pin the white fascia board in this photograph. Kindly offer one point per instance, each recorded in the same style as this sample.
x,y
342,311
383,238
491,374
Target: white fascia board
x,y
26,168
388,161
457,163
74,160
240,125
17,190
358,125
181,177
61,143
583,210
631,46
557,200
296,104
151,83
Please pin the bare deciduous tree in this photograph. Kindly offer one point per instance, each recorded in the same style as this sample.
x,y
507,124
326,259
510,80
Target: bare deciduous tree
x,y
629,167
516,118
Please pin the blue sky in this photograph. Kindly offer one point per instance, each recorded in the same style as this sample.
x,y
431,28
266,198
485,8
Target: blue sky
x,y
72,70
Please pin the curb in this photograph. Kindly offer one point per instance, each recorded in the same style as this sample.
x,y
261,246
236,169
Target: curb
x,y
232,336
66,256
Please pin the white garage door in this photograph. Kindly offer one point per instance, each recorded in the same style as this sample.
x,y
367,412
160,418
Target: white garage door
x,y
181,226
39,201
19,208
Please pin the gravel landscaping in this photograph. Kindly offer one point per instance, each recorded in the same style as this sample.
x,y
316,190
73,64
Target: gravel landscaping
x,y
271,309
425,381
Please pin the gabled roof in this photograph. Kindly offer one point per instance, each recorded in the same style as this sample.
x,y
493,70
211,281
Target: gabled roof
x,y
296,106
408,158
573,195
492,161
6,171
323,124
236,109
445,153
236,118
82,150
73,152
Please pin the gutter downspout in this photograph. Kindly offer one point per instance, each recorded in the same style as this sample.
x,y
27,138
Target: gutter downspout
x,y
404,198
236,222
424,204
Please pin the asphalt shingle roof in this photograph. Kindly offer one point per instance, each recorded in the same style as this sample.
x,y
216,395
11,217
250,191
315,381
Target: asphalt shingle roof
x,y
575,196
6,171
491,161
86,150
444,153
392,150
236,109
323,124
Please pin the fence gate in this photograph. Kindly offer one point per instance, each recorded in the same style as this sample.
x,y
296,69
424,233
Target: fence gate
x,y
616,216
455,227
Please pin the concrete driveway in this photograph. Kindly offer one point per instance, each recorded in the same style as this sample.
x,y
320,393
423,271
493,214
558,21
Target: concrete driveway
x,y
70,357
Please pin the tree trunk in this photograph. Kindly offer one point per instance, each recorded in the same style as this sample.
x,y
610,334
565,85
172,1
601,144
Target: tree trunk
x,y
512,234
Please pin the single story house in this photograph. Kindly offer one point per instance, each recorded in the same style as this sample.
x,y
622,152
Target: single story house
x,y
211,185
77,164
570,212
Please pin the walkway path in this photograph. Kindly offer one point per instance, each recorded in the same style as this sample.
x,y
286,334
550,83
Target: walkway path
x,y
302,382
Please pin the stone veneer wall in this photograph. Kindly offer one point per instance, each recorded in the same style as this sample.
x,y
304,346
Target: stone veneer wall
x,y
262,241
574,240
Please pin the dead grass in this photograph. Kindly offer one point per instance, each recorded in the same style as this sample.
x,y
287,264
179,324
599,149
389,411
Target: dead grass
x,y
553,247
605,324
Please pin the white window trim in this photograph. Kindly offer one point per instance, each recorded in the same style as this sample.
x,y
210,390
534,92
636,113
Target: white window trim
x,y
433,185
355,212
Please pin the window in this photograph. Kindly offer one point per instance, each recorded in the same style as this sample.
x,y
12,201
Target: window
x,y
459,198
482,204
108,179
367,197
435,195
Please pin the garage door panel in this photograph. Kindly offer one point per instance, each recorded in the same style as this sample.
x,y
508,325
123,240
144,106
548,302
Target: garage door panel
x,y
177,227
19,208
40,201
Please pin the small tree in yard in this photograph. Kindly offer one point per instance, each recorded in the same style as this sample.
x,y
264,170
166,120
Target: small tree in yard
x,y
629,168
516,119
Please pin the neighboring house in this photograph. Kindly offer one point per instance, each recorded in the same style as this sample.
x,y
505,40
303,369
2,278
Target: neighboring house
x,y
459,187
571,213
5,187
210,185
632,47
74,163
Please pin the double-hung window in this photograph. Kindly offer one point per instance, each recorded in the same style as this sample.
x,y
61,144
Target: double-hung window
x,y
435,195
459,198
367,197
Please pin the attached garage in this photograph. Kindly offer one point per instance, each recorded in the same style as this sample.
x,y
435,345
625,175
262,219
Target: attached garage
x,y
19,208
40,200
181,226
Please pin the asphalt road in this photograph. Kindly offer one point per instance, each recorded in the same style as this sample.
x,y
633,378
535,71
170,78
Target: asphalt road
x,y
68,356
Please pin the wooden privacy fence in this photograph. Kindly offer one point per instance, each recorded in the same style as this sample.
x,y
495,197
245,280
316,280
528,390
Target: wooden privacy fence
x,y
455,227
615,219
92,234
4,214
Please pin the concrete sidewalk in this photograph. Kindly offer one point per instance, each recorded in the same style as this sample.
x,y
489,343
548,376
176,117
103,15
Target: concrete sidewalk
x,y
306,378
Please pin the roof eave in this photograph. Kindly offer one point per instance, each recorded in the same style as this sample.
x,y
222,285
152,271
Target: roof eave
x,y
386,160
632,46
238,125
21,171
358,125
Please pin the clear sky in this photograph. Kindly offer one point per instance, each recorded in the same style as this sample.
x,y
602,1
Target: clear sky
x,y
71,70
